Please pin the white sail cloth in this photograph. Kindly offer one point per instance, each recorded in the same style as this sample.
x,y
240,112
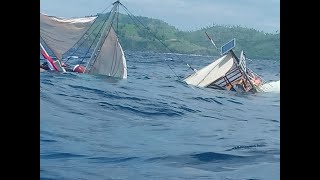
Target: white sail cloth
x,y
61,34
211,72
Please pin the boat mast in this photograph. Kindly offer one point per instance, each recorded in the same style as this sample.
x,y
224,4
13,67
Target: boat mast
x,y
102,37
48,58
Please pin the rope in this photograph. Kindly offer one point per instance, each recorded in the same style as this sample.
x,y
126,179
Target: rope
x,y
85,37
130,15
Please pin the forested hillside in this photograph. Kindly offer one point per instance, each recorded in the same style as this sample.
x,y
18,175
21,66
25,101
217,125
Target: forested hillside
x,y
137,37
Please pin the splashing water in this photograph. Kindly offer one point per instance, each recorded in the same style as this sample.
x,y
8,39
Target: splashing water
x,y
273,86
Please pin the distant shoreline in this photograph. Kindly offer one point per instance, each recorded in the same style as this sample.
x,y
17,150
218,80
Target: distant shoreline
x,y
256,44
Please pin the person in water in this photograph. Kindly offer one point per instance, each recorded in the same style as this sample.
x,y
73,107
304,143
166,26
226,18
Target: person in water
x,y
241,84
77,68
44,66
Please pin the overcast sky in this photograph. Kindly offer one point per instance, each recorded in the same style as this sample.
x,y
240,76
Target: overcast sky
x,y
183,14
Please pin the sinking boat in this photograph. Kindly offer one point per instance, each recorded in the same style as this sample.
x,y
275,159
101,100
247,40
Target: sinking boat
x,y
93,40
228,72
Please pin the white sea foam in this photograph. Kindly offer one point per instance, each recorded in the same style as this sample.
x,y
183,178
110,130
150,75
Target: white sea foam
x,y
273,86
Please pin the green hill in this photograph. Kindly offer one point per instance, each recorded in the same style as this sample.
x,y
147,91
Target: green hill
x,y
256,44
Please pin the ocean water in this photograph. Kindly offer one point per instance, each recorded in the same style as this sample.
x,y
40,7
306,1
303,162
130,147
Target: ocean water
x,y
153,126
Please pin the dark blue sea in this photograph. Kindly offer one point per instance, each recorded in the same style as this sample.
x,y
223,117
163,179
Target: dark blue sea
x,y
153,126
